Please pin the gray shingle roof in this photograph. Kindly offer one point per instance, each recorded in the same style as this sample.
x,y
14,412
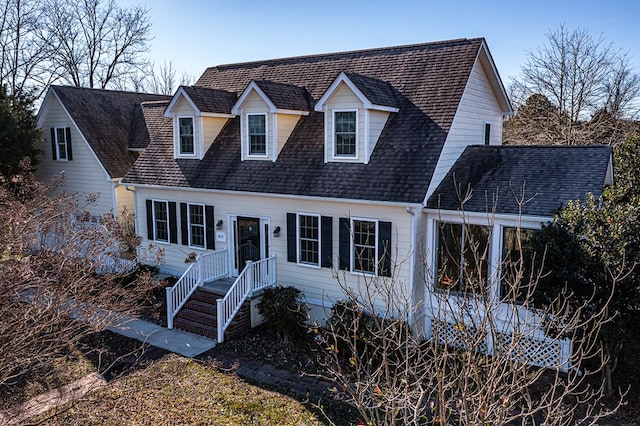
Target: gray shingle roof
x,y
211,100
378,92
105,118
547,176
286,96
429,80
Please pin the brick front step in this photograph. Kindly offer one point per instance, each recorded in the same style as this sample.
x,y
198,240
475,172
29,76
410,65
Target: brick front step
x,y
196,328
198,306
206,297
199,317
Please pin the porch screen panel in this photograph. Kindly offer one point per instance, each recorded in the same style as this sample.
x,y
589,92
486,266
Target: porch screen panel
x,y
462,257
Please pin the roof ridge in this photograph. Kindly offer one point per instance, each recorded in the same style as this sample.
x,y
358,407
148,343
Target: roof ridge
x,y
349,52
96,89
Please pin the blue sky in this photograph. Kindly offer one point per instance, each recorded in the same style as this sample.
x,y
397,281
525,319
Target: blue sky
x,y
195,34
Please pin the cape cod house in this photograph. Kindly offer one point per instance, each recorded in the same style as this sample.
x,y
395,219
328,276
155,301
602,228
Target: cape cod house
x,y
285,170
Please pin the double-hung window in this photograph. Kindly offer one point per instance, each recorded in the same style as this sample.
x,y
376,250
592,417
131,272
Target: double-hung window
x,y
257,124
364,249
61,143
345,133
196,225
185,128
161,221
309,239
462,254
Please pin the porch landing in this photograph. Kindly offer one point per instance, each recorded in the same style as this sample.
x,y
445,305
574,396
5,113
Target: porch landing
x,y
219,287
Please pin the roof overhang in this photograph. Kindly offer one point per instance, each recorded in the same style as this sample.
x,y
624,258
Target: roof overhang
x,y
343,78
253,87
486,60
182,93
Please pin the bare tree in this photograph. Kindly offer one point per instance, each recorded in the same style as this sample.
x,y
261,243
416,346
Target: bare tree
x,y
580,75
483,359
96,42
25,67
59,276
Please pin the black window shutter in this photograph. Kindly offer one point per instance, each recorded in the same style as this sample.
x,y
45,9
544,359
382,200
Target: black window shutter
x,y
291,237
210,231
184,224
150,235
384,249
173,223
344,245
68,137
53,144
326,224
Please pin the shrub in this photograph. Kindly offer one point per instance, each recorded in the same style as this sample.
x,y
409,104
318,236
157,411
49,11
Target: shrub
x,y
285,309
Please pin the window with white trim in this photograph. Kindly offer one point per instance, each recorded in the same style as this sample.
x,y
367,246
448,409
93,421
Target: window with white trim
x,y
185,132
309,239
364,248
345,125
197,225
61,144
462,257
161,221
257,134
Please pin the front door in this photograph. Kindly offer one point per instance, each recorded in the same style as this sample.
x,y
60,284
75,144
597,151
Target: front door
x,y
250,236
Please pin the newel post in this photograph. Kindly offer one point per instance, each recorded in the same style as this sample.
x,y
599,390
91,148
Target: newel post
x,y
200,268
250,276
169,297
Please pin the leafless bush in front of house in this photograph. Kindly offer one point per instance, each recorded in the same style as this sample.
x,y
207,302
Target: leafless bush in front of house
x,y
470,352
61,278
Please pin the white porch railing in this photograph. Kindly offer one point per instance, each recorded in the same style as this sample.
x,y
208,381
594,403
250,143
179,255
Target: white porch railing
x,y
254,276
207,267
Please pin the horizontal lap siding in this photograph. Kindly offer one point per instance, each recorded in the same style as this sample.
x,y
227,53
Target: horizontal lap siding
x,y
477,106
124,199
286,123
84,173
317,284
211,127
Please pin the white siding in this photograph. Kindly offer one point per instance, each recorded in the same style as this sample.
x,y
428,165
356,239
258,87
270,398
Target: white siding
x,y
318,284
84,174
285,124
211,127
377,121
479,105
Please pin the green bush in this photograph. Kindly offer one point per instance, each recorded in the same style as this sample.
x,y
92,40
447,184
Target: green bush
x,y
286,311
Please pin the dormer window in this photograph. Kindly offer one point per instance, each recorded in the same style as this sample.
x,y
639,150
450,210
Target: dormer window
x,y
268,111
356,109
257,131
185,128
346,133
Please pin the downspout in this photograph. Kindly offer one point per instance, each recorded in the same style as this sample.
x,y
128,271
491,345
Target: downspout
x,y
412,272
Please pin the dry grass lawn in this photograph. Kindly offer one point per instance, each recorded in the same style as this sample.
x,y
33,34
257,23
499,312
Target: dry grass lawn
x,y
178,391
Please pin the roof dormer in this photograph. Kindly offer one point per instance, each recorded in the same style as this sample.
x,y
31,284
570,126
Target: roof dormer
x,y
356,109
198,115
268,113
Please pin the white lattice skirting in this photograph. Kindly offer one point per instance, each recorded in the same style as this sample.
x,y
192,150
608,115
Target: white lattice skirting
x,y
532,348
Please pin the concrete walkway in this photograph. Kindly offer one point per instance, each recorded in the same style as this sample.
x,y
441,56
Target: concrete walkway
x,y
177,341
202,348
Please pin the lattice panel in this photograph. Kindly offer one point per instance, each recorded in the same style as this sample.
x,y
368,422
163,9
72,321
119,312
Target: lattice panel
x,y
542,353
459,336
